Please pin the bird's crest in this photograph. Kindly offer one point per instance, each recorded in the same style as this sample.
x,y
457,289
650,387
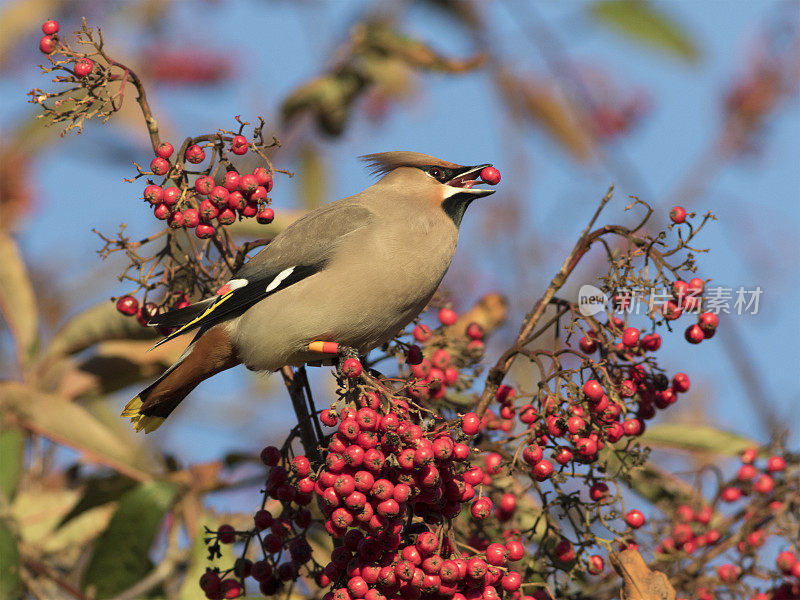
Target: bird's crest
x,y
382,163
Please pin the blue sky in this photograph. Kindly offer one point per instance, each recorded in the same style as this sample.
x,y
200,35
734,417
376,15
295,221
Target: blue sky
x,y
278,45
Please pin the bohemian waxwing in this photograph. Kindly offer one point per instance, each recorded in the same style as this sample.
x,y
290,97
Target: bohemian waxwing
x,y
353,272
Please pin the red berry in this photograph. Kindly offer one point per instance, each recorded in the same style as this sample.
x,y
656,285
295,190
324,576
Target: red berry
x,y
542,470
210,583
496,554
83,67
250,210
203,185
128,305
630,337
191,218
490,175
776,463
593,390
159,166
516,550
447,316
671,310
153,194
204,230
259,194
171,195
264,177
677,214
511,581
421,333
680,382
694,335
50,27
208,211
226,216
596,564
470,423
47,44
598,491
651,342
696,286
481,508
227,534
634,518
352,368
165,150
161,211
764,484
239,145
248,183
588,345
708,321
475,331
730,494
564,551
786,561
265,216
195,154
231,181
176,220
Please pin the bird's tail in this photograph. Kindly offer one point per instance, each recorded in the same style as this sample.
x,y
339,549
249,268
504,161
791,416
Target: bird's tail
x,y
154,401
209,353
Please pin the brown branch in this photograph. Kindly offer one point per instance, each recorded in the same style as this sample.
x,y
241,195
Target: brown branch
x,y
295,385
43,570
498,372
638,581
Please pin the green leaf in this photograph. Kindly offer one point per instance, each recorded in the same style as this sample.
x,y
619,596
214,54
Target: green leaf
x,y
642,22
99,491
12,445
9,563
97,324
67,423
651,482
684,436
120,556
17,300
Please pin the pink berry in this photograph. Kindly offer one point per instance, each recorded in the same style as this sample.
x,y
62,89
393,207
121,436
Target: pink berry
x,y
204,230
195,154
239,145
83,67
47,44
593,390
219,196
127,305
250,210
490,175
159,166
208,211
677,214
776,464
50,27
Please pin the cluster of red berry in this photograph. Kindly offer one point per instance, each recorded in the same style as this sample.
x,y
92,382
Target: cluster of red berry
x,y
82,67
242,195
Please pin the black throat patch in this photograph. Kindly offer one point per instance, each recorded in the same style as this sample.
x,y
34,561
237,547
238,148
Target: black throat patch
x,y
456,205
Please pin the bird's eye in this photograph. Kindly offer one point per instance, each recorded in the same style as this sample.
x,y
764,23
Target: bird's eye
x,y
436,173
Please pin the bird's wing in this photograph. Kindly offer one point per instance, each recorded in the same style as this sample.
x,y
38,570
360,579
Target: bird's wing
x,y
299,251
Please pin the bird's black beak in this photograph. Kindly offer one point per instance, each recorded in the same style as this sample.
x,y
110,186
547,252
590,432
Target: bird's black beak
x,y
464,181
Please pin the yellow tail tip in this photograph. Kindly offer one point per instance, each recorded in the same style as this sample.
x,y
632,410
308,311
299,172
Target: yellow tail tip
x,y
140,421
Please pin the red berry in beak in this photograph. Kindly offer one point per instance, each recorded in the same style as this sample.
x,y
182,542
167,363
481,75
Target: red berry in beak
x,y
490,175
